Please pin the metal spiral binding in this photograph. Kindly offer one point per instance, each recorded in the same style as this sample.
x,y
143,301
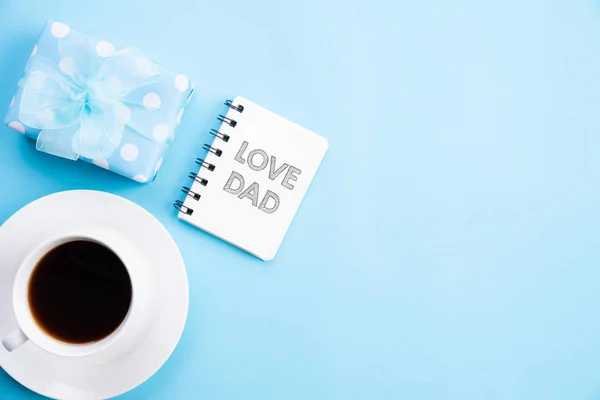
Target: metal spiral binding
x,y
231,122
215,151
239,108
198,179
190,193
181,208
220,135
205,164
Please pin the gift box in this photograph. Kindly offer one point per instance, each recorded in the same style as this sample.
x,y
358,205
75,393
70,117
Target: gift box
x,y
84,98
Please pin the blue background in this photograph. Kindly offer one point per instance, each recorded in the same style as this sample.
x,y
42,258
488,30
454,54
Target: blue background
x,y
449,245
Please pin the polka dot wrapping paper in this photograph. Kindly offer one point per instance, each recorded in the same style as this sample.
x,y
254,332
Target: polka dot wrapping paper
x,y
146,100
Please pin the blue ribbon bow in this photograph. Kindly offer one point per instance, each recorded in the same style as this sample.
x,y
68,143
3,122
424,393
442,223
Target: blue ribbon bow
x,y
81,105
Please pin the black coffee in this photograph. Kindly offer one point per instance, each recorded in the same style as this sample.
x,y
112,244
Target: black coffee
x,y
79,292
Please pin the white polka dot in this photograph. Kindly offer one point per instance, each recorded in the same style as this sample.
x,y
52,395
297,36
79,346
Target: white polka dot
x,y
67,65
144,66
17,126
140,178
179,116
129,152
37,81
34,51
12,102
102,163
105,49
161,132
60,30
182,82
45,117
158,165
152,101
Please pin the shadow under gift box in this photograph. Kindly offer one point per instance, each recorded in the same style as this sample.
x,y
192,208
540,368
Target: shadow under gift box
x,y
154,103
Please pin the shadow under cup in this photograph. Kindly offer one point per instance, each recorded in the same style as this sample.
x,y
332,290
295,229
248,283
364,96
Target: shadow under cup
x,y
72,296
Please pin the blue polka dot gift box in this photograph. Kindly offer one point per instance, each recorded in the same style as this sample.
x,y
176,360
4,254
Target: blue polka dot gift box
x,y
84,98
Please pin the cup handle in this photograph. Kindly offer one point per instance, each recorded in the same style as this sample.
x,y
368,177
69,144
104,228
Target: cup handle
x,y
14,340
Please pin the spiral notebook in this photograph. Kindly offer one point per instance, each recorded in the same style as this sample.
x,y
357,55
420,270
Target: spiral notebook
x,y
253,179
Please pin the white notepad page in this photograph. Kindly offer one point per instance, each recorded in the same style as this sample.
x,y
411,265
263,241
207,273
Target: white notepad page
x,y
276,159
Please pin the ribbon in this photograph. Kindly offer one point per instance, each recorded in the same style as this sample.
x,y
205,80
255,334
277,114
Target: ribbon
x,y
81,104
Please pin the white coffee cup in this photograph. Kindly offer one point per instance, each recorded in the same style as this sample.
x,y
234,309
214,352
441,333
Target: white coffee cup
x,y
29,330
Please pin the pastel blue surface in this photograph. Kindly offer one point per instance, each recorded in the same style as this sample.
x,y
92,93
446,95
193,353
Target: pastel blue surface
x,y
449,246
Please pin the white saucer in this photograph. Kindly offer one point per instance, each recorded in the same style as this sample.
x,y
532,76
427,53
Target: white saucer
x,y
94,377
